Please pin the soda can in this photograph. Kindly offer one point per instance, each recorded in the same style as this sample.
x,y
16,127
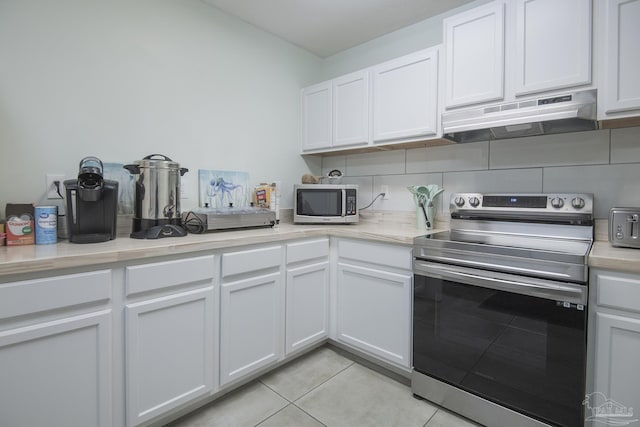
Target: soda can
x,y
46,219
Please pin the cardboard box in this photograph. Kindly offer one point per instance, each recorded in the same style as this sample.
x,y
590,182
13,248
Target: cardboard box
x,y
262,196
20,225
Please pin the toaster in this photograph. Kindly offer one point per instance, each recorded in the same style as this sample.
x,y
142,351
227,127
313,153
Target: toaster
x,y
623,227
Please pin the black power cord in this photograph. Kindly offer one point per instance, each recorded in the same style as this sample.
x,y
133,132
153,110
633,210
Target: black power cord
x,y
193,223
373,201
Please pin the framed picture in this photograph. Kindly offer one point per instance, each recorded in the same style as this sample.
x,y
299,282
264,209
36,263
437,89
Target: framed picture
x,y
126,186
218,189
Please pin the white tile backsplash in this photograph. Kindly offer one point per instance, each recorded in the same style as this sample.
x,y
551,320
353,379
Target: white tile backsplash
x,y
365,188
625,145
383,163
400,198
604,162
580,148
447,158
612,185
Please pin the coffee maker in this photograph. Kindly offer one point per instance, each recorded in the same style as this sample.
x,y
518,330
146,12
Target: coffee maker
x,y
92,204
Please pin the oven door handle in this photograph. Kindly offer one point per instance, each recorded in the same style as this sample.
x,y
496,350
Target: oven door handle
x,y
539,288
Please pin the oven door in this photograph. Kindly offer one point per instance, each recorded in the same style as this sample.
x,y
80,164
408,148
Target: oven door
x,y
516,341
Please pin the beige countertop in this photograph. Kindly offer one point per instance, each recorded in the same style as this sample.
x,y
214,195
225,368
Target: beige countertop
x,y
603,255
34,258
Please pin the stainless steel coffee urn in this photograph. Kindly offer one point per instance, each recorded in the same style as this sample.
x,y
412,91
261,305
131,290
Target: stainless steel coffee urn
x,y
157,201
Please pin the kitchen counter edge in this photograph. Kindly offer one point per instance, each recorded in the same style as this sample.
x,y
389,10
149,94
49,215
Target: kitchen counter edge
x,y
37,258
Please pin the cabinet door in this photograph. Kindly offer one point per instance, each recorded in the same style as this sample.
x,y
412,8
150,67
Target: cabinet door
x,y
374,312
616,363
351,109
405,97
316,117
622,35
307,309
553,44
251,325
170,352
57,373
474,52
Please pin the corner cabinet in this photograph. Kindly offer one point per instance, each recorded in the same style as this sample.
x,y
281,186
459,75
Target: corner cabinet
x,y
373,300
251,311
405,97
307,294
170,336
56,362
614,340
620,86
391,103
336,113
316,117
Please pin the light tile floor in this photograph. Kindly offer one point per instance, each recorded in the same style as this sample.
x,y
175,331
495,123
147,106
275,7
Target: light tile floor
x,y
322,388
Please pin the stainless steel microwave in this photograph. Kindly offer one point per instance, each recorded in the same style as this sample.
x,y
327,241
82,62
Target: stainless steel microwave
x,y
325,204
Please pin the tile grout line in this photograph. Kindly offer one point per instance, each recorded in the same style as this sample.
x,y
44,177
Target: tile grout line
x,y
431,417
325,381
311,416
292,402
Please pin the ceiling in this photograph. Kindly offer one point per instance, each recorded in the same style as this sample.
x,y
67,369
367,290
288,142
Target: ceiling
x,y
326,27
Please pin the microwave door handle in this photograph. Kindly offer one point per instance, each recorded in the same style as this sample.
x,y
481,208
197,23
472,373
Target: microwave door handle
x,y
344,202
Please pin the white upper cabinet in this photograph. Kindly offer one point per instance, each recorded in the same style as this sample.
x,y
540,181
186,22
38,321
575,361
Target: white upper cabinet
x,y
351,109
316,116
553,45
393,102
620,86
474,56
336,113
405,97
502,51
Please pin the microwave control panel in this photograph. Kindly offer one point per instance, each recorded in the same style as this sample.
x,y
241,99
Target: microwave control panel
x,y
351,197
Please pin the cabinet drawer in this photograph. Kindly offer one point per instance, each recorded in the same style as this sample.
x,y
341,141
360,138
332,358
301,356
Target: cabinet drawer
x,y
618,291
303,251
251,260
159,275
373,253
34,296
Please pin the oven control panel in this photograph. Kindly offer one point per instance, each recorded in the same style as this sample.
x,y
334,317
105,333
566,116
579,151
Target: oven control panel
x,y
559,203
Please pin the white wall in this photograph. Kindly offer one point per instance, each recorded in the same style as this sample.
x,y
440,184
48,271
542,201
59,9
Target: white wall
x,y
603,162
120,79
424,34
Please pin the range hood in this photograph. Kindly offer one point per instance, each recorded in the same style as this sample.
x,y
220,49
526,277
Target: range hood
x,y
570,112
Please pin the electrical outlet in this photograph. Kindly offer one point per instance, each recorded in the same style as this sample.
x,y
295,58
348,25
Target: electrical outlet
x,y
52,191
385,189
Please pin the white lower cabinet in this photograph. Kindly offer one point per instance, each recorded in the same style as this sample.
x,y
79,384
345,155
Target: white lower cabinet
x,y
56,364
614,342
170,352
373,301
307,294
251,312
170,337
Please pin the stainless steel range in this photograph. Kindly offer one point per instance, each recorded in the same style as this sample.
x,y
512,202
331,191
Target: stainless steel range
x,y
500,309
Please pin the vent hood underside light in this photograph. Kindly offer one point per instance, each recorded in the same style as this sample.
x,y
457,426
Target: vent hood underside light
x,y
572,112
